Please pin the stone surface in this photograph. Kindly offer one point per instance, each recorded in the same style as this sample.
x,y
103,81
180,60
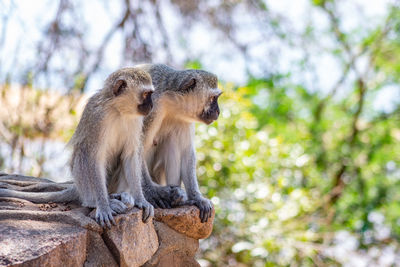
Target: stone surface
x,y
18,209
65,234
97,253
33,243
131,241
186,220
175,250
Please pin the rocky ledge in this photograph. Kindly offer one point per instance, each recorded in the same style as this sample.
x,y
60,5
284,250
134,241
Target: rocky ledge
x,y
65,234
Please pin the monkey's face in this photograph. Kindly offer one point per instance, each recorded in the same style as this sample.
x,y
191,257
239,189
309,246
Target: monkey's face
x,y
132,90
210,111
147,103
199,95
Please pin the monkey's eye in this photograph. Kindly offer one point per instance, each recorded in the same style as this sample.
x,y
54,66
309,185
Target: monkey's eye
x,y
214,98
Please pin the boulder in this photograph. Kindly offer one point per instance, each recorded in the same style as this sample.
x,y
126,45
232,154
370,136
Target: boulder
x,y
97,252
186,220
131,241
37,243
175,250
65,234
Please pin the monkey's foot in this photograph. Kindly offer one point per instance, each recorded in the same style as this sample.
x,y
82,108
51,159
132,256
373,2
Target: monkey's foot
x,y
125,198
148,209
117,206
205,206
104,216
166,197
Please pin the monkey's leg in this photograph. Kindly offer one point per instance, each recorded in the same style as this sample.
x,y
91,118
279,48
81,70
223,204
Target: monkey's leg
x,y
117,206
124,197
188,174
131,165
115,180
171,156
161,196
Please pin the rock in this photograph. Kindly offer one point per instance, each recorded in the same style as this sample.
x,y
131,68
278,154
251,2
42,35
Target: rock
x,y
33,243
19,209
98,253
131,241
64,234
186,220
175,250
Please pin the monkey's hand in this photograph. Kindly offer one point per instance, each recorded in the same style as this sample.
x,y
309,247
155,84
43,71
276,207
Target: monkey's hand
x,y
166,197
125,198
104,216
146,207
205,206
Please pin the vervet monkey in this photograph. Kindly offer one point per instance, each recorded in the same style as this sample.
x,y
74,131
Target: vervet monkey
x,y
108,134
181,98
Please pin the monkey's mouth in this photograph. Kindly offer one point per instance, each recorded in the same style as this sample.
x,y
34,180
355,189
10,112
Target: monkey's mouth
x,y
209,116
145,108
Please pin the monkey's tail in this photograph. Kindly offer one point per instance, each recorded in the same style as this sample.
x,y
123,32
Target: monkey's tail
x,y
66,195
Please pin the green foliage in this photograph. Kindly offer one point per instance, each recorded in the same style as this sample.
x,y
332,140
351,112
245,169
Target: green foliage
x,y
269,167
193,64
295,174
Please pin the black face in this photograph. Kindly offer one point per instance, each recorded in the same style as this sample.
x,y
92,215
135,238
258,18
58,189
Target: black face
x,y
212,113
147,103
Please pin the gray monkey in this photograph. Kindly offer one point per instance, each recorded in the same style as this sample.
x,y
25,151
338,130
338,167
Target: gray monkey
x,y
181,98
108,134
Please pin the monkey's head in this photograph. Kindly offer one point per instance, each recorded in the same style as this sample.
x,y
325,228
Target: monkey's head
x,y
196,96
129,91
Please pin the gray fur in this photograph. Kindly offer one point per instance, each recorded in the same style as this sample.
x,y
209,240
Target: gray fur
x,y
169,136
108,134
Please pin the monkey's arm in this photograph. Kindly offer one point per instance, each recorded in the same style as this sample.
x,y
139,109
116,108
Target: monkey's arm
x,y
132,171
161,196
90,180
105,208
188,174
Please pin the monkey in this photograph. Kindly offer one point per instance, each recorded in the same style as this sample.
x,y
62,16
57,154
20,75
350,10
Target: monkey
x,y
180,99
108,134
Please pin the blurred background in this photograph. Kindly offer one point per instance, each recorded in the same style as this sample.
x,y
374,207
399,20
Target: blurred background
x,y
303,165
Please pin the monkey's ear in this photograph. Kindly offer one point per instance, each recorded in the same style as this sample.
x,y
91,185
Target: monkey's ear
x,y
189,85
119,87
